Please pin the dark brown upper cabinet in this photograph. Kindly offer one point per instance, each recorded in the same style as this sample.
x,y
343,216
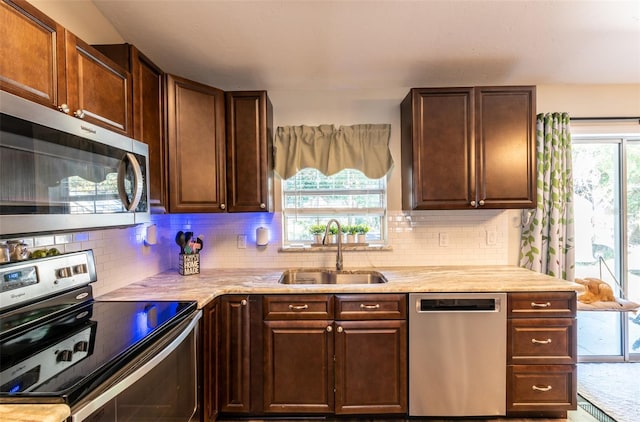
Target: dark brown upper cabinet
x,y
148,115
44,63
32,54
98,89
249,128
196,138
471,147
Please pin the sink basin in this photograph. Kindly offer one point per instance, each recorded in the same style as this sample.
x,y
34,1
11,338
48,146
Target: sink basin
x,y
326,276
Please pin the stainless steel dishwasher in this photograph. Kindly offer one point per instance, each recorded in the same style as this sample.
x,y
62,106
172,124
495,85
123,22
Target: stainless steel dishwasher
x,y
457,354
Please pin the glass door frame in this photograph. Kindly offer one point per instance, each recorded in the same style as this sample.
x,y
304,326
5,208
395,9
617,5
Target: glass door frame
x,y
621,238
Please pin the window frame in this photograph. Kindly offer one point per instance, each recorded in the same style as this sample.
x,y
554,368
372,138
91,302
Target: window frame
x,y
324,214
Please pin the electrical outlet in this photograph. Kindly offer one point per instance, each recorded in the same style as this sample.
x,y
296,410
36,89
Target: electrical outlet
x,y
444,239
491,237
242,241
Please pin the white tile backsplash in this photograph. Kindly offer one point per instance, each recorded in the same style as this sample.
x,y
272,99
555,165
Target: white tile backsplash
x,y
123,258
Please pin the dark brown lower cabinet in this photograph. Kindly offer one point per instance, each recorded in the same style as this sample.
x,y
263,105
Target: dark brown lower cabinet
x,y
210,353
541,354
234,360
371,367
298,373
315,363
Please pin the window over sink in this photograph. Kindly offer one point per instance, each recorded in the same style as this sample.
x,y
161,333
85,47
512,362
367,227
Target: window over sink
x,y
311,198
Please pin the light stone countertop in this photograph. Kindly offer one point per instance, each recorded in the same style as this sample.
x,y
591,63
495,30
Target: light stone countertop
x,y
34,412
211,283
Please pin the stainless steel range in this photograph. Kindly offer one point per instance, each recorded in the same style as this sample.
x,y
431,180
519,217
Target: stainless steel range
x,y
109,361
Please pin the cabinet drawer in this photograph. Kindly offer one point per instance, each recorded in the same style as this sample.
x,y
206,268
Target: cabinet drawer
x,y
297,307
536,304
541,341
541,388
371,306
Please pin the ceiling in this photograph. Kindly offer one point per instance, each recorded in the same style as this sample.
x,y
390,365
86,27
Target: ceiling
x,y
360,45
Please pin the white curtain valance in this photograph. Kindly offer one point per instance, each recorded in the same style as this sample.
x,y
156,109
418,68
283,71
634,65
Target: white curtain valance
x,y
330,150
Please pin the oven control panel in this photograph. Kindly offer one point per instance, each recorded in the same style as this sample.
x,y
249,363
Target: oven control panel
x,y
41,366
25,281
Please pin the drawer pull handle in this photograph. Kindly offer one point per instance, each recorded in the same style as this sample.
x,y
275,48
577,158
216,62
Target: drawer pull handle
x,y
540,305
536,388
298,307
536,341
369,307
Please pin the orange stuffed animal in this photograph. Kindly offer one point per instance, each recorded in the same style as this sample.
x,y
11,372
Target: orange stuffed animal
x,y
597,291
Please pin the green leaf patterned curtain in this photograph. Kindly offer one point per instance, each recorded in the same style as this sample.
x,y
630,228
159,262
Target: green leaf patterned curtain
x,y
547,239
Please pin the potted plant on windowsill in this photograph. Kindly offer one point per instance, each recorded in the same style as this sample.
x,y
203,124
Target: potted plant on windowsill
x,y
331,237
362,230
317,230
345,231
351,237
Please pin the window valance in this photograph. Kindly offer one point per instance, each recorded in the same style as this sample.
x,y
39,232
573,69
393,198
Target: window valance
x,y
330,150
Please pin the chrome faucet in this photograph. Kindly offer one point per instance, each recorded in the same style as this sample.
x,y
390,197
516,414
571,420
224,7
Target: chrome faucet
x,y
326,232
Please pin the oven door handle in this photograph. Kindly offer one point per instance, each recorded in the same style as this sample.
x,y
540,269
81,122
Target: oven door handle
x,y
85,411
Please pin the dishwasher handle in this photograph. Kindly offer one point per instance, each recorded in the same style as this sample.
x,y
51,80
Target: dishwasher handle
x,y
458,305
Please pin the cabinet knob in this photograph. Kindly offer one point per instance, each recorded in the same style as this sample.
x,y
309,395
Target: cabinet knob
x,y
473,203
64,108
79,113
243,302
340,329
223,206
329,328
263,206
481,203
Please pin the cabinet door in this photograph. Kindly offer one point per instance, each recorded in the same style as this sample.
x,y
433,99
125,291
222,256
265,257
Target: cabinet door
x,y
99,90
371,367
298,376
249,125
234,370
196,147
148,123
438,168
210,353
506,147
31,54
148,115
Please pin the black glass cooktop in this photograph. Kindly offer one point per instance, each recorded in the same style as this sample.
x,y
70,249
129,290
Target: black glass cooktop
x,y
61,357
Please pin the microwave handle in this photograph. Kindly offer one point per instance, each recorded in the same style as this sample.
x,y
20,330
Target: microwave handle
x,y
137,181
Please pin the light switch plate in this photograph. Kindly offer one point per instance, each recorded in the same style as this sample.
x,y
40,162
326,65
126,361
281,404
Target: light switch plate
x,y
242,241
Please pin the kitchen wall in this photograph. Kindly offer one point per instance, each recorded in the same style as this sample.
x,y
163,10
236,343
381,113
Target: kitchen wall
x,y
123,258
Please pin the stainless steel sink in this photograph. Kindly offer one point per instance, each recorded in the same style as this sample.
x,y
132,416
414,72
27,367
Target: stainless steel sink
x,y
326,276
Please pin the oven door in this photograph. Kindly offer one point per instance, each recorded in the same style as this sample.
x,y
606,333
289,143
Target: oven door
x,y
159,386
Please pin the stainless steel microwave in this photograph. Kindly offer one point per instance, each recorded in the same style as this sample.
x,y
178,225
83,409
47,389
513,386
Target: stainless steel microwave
x,y
60,173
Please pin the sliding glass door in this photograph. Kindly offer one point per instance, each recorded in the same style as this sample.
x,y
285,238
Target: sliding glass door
x,y
607,222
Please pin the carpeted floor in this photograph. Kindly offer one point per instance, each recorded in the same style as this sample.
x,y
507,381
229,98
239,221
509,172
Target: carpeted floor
x,y
613,387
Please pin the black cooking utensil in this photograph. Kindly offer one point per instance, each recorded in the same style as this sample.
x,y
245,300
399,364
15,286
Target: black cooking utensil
x,y
180,240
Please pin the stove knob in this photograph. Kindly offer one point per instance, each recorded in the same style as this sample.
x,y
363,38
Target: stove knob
x,y
80,269
65,356
63,272
81,346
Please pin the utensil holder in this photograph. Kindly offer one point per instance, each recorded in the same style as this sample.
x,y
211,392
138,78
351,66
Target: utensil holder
x,y
189,264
